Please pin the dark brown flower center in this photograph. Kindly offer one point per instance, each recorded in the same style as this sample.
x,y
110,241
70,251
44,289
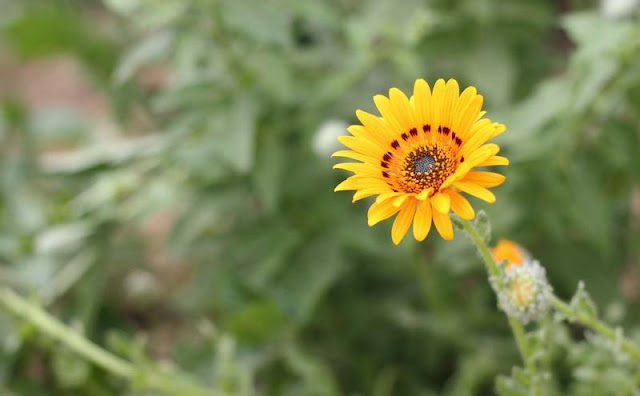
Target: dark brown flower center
x,y
426,167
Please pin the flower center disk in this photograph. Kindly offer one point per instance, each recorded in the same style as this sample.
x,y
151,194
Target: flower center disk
x,y
426,167
424,164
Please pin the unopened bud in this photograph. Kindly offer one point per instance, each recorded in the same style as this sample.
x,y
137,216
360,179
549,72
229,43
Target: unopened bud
x,y
524,292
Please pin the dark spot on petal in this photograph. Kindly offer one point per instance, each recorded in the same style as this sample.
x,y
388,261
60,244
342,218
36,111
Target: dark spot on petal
x,y
385,174
426,127
384,164
405,136
413,132
458,141
453,135
439,128
395,144
461,159
386,157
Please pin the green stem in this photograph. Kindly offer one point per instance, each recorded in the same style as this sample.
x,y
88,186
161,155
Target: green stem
x,y
494,270
521,341
492,267
596,325
49,325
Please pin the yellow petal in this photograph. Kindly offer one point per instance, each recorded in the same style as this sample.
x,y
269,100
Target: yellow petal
x,y
384,106
362,146
461,206
376,125
443,225
348,184
424,194
359,168
361,132
387,195
356,182
469,113
441,202
367,192
476,191
494,161
485,179
403,221
474,128
422,220
379,211
437,98
422,96
397,202
476,140
499,129
401,109
355,156
481,154
451,94
458,174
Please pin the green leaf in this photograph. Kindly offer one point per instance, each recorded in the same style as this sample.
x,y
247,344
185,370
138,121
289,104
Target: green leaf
x,y
582,304
595,34
483,226
457,221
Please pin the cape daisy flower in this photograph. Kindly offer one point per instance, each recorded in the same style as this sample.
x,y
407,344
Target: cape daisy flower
x,y
419,155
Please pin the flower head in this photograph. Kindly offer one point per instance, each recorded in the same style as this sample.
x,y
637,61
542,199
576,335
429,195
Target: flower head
x,y
524,291
419,155
510,252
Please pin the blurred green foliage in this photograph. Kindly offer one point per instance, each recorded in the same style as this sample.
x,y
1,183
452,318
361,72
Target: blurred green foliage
x,y
194,221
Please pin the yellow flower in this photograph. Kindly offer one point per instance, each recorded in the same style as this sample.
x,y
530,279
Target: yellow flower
x,y
509,251
419,156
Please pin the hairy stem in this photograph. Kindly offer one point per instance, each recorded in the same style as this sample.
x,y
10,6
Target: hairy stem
x,y
596,325
516,327
492,267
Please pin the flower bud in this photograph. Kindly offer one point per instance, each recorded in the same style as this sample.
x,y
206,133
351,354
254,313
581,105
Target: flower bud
x,y
524,292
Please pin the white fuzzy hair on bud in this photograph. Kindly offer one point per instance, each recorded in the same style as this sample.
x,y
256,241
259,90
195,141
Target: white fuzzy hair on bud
x,y
524,291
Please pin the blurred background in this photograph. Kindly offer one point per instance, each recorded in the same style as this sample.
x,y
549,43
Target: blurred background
x,y
167,190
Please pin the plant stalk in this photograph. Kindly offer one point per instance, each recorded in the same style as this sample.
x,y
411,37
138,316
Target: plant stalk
x,y
516,327
596,325
49,325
